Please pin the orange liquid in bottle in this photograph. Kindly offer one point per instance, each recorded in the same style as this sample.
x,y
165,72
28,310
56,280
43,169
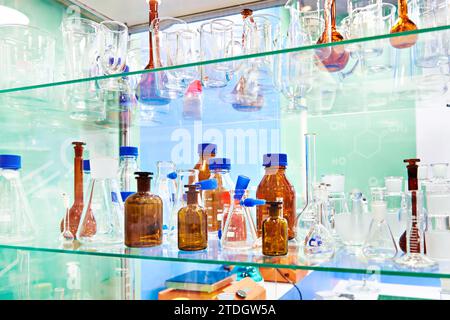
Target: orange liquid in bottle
x,y
403,24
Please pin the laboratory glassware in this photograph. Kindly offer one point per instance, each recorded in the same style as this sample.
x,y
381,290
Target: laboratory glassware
x,y
319,244
193,101
143,215
404,23
206,151
275,231
165,188
415,257
275,185
113,45
337,200
395,202
74,215
306,217
192,223
380,244
16,224
102,219
217,202
127,167
439,172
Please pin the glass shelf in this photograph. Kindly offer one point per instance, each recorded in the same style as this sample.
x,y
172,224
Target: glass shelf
x,y
343,261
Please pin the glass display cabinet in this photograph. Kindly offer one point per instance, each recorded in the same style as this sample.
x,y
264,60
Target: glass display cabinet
x,y
252,86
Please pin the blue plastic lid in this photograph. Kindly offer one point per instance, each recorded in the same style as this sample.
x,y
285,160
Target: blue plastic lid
x,y
275,159
129,151
220,164
209,184
86,165
172,175
207,148
241,185
125,195
10,161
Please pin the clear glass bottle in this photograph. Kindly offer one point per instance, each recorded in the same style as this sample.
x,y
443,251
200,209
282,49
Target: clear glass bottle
x,y
217,202
319,244
165,188
380,244
395,201
16,224
102,219
143,215
275,231
275,185
206,152
128,166
74,215
404,23
192,223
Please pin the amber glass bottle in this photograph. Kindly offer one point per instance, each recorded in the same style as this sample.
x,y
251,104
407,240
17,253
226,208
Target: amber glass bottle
x,y
206,152
403,24
74,215
275,231
192,223
276,185
143,215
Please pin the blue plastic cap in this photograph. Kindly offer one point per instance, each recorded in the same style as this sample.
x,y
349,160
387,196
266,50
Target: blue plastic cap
x,y
129,151
209,184
172,175
242,183
86,165
220,164
10,161
125,195
249,202
207,148
275,159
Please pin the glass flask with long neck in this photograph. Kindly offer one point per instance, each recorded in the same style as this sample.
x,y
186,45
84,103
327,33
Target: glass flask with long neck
x,y
217,202
192,223
143,215
275,231
319,244
165,188
404,23
306,217
335,58
74,215
380,243
275,185
206,152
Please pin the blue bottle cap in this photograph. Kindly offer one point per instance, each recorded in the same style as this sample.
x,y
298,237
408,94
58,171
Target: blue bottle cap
x,y
242,183
86,165
275,159
129,151
10,161
125,195
172,175
207,148
249,202
220,164
209,184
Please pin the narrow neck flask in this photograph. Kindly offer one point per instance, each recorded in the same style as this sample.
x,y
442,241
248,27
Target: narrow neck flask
x,y
404,23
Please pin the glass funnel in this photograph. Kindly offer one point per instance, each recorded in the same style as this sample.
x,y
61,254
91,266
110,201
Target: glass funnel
x,y
16,224
102,219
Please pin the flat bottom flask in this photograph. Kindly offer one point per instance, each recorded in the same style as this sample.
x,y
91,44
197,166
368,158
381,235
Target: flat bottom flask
x,y
319,245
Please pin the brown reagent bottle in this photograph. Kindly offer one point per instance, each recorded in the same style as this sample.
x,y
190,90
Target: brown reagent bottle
x,y
275,231
192,223
143,215
275,185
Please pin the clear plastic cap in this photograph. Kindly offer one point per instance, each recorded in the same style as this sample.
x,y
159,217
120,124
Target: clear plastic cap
x,y
104,168
336,182
393,184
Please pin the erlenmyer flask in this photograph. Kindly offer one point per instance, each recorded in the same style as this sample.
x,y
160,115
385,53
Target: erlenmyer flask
x,y
16,225
380,244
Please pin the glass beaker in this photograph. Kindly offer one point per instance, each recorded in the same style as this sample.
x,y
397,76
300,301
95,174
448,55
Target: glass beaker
x,y
165,188
102,222
16,224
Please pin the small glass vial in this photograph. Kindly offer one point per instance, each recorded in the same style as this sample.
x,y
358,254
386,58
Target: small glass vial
x,y
275,231
143,215
206,151
128,166
192,223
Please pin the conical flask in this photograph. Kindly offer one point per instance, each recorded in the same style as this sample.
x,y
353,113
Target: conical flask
x,y
239,232
165,188
380,243
102,219
16,225
319,244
